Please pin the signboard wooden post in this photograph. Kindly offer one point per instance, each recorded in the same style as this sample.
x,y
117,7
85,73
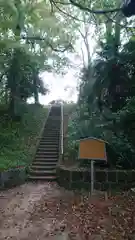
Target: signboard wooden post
x,y
92,176
93,149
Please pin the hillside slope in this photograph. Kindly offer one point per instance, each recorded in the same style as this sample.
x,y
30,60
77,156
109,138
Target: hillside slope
x,y
18,139
67,112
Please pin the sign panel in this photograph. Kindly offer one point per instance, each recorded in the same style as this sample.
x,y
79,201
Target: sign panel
x,y
93,149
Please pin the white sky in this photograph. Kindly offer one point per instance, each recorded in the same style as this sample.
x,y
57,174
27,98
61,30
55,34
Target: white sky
x,y
64,87
60,87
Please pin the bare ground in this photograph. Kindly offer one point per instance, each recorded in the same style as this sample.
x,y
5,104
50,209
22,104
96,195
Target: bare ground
x,y
40,211
16,207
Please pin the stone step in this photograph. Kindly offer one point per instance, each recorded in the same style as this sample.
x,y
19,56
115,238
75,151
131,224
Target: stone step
x,y
44,163
51,147
48,144
43,167
42,172
48,156
44,155
50,141
52,128
47,151
55,114
47,147
47,134
50,138
52,122
46,160
51,131
46,178
43,148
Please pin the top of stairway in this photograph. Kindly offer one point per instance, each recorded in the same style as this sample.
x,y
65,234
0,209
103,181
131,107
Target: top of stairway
x,y
53,106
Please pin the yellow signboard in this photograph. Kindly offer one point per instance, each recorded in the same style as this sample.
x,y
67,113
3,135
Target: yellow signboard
x,y
92,148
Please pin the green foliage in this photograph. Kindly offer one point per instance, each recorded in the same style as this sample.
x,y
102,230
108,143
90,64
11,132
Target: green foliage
x,y
18,140
106,101
124,126
33,39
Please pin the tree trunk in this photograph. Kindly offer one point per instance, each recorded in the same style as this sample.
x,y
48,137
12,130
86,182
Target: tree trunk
x,y
14,67
36,97
12,105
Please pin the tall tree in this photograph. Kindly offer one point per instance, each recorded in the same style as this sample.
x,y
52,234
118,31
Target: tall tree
x,y
31,28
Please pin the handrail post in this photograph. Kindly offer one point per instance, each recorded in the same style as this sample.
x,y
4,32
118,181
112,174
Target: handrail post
x,y
61,139
62,129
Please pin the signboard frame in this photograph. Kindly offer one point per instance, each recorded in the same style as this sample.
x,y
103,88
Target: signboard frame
x,y
93,160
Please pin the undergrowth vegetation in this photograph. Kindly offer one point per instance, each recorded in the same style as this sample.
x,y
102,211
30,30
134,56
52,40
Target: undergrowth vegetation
x,y
106,101
18,139
33,41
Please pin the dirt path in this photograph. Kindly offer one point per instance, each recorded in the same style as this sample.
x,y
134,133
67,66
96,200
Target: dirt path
x,y
17,206
44,211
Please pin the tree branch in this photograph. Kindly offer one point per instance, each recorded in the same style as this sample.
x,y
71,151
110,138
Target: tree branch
x,y
38,38
128,10
121,25
78,5
59,2
65,13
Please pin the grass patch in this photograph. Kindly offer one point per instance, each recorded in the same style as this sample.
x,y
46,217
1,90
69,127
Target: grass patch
x,y
18,139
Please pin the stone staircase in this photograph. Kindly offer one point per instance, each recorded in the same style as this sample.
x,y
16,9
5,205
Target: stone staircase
x,y
47,154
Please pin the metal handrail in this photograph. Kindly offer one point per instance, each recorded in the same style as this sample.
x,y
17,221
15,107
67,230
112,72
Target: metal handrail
x,y
62,132
61,139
